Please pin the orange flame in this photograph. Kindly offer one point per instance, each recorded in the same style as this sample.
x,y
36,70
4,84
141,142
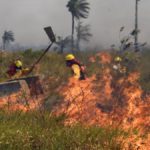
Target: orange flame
x,y
18,101
105,100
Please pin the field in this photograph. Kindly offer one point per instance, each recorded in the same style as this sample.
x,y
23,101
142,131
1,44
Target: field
x,y
40,129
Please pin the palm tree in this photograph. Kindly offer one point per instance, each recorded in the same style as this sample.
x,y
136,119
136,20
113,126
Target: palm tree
x,y
83,33
7,37
78,9
63,42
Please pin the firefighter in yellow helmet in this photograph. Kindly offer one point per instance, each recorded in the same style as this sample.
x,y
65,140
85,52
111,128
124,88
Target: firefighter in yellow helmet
x,y
118,59
118,66
18,64
77,68
15,69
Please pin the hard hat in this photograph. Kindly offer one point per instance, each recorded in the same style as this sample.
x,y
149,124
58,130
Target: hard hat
x,y
69,57
118,59
18,63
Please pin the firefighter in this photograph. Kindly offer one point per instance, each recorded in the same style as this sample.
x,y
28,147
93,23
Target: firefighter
x,y
77,68
117,61
118,66
15,69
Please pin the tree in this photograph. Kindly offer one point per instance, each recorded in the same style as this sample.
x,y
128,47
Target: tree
x,y
78,9
63,42
83,33
7,37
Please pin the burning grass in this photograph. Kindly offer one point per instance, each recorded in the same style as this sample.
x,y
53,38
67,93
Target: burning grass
x,y
106,101
102,100
20,101
94,111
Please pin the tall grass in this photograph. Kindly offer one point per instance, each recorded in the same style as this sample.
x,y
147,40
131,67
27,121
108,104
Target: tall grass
x,y
40,131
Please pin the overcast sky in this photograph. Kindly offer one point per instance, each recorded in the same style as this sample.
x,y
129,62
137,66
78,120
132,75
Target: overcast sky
x,y
26,18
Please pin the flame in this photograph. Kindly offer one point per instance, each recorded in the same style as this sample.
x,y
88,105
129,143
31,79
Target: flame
x,y
104,57
100,100
18,101
92,59
104,100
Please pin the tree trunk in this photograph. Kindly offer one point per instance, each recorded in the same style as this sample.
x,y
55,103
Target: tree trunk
x,y
62,49
78,35
4,45
72,36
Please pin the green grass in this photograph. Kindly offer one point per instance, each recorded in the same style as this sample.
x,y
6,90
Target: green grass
x,y
40,131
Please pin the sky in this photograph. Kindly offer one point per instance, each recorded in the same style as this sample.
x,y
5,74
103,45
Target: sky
x,y
27,18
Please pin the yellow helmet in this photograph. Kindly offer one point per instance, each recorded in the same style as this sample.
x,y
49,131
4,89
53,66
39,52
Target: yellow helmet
x,y
18,63
69,57
118,59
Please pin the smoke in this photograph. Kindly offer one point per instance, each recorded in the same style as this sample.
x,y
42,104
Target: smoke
x,y
27,19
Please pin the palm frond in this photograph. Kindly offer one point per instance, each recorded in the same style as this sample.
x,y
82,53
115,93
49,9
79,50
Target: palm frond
x,y
78,8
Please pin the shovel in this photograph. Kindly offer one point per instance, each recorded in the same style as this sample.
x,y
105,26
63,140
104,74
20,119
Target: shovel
x,y
52,38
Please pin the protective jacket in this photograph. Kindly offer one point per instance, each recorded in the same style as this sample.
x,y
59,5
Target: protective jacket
x,y
77,69
15,68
